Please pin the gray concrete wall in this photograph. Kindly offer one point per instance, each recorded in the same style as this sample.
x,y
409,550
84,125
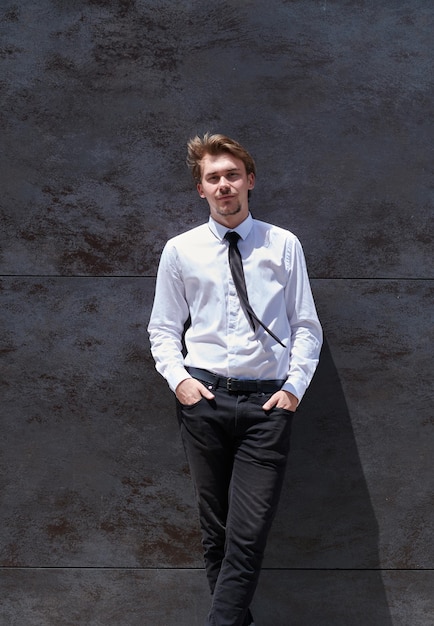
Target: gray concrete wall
x,y
334,99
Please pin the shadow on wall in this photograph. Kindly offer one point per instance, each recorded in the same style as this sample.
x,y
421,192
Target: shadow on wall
x,y
326,519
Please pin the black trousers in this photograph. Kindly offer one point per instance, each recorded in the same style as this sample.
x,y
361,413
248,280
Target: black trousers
x,y
237,455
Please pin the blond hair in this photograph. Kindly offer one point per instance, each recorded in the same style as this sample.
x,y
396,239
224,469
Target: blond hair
x,y
198,147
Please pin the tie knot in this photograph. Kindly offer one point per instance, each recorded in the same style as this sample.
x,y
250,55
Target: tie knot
x,y
232,237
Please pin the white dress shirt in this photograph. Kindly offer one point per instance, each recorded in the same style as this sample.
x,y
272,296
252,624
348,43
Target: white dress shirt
x,y
194,279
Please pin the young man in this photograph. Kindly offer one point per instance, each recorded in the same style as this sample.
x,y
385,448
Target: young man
x,y
251,350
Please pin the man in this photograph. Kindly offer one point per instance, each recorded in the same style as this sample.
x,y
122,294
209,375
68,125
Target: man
x,y
249,359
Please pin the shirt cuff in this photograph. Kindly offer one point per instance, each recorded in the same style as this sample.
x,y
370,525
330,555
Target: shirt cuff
x,y
176,377
297,390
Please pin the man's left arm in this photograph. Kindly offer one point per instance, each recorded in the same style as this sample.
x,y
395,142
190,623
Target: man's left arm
x,y
306,333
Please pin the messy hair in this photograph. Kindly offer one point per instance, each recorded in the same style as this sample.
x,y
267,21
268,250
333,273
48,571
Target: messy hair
x,y
198,147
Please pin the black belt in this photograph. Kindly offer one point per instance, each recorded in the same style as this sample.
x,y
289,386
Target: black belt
x,y
235,384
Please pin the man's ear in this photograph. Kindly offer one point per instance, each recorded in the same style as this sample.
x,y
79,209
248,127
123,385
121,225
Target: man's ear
x,y
251,180
200,190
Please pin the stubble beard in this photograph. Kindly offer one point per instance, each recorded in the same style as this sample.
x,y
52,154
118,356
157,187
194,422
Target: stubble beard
x,y
222,211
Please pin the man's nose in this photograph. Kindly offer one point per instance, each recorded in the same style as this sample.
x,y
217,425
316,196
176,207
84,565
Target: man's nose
x,y
223,182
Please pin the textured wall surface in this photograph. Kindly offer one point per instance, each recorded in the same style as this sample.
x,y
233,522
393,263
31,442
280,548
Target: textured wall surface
x,y
334,99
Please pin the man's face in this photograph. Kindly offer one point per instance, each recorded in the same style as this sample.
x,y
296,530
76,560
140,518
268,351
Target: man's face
x,y
225,184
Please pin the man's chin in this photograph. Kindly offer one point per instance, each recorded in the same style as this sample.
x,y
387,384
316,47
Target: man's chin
x,y
228,210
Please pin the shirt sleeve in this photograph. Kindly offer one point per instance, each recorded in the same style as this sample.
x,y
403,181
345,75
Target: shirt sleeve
x,y
306,332
169,314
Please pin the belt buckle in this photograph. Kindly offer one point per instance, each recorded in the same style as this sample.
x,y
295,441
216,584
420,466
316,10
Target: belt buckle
x,y
231,384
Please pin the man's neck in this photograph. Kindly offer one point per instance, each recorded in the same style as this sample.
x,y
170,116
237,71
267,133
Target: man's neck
x,y
230,221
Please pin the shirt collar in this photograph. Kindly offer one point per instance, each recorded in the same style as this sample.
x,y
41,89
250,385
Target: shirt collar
x,y
220,231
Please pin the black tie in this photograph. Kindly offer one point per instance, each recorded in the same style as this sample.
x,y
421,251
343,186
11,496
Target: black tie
x,y
236,265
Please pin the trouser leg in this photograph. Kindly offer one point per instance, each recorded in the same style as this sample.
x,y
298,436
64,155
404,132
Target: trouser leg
x,y
237,456
209,449
262,445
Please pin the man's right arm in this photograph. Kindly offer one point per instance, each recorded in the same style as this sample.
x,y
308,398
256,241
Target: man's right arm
x,y
166,327
169,314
